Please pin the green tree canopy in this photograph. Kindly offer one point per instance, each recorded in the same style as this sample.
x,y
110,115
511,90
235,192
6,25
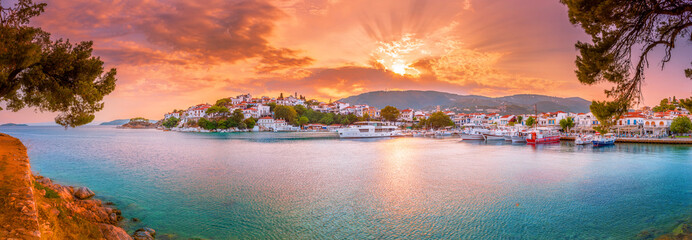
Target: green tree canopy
x,y
303,120
171,122
48,75
519,119
389,113
664,105
567,123
439,120
217,109
223,102
285,112
681,125
530,121
686,104
616,27
249,123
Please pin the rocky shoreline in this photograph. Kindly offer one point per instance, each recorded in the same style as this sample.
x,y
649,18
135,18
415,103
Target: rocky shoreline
x,y
34,207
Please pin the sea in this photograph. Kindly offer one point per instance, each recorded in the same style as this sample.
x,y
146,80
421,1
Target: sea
x,y
304,185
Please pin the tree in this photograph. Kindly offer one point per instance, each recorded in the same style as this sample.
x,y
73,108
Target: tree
x,y
171,122
519,119
236,118
327,120
302,121
607,114
217,110
139,119
681,125
616,27
530,121
366,117
222,102
285,112
389,113
300,109
686,104
439,120
567,123
54,76
249,123
664,105
206,124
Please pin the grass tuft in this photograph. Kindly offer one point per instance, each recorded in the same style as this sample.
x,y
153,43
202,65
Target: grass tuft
x,y
50,193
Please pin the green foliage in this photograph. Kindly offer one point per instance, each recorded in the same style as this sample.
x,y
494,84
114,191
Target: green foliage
x,y
519,119
285,112
567,123
664,105
272,106
366,117
439,120
681,125
206,124
303,120
223,102
139,119
607,113
50,193
686,104
389,113
249,123
327,119
615,28
54,76
300,109
171,122
217,109
530,121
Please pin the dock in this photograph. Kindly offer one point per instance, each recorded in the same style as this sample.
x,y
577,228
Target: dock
x,y
645,140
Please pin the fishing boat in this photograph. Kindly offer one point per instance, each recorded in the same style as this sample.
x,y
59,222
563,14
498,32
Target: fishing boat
x,y
493,137
542,137
519,137
369,129
583,140
606,140
473,134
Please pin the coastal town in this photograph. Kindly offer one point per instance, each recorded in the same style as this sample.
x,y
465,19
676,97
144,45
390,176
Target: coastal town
x,y
295,113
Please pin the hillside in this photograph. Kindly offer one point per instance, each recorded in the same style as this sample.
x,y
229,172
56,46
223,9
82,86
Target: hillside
x,y
116,122
515,104
13,125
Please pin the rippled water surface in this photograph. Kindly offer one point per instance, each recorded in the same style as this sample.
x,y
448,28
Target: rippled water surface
x,y
312,185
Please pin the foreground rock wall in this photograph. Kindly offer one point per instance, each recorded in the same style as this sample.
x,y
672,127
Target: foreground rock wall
x,y
18,213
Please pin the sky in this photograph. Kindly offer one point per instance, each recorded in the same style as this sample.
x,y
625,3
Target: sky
x,y
174,54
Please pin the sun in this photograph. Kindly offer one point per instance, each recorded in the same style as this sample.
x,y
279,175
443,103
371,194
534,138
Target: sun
x,y
398,56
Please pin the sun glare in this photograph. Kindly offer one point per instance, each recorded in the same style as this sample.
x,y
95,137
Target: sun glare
x,y
398,56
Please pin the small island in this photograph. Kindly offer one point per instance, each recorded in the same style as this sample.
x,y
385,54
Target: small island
x,y
140,123
117,122
13,125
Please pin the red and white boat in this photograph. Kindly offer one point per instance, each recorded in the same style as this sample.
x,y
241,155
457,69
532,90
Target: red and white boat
x,y
542,137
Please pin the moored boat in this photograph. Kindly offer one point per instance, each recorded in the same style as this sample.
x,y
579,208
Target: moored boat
x,y
606,140
369,130
542,137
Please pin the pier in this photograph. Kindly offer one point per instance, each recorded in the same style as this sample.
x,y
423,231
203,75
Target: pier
x,y
645,140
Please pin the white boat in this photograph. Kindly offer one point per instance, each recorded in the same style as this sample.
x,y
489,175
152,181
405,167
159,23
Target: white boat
x,y
369,130
493,137
507,137
473,134
518,137
583,140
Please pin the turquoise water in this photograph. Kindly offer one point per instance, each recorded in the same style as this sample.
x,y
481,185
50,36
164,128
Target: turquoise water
x,y
305,185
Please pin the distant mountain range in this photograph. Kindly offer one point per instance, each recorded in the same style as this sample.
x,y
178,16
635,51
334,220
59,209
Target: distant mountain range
x,y
116,122
428,100
13,125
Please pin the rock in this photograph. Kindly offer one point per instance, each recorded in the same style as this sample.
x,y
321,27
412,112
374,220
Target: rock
x,y
111,232
64,193
54,212
142,235
150,231
135,219
83,193
44,181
